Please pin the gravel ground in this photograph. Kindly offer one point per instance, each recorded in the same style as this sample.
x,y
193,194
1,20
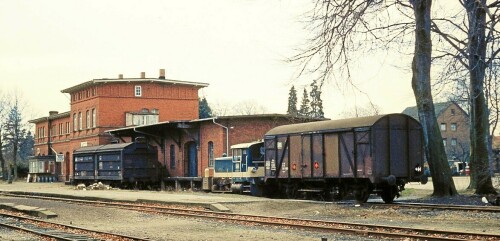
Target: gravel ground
x,y
158,227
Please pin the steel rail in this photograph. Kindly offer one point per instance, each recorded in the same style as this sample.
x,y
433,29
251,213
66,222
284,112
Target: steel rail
x,y
329,226
492,209
61,233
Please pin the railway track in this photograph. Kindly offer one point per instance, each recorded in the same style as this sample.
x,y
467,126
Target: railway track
x,y
467,208
57,231
307,224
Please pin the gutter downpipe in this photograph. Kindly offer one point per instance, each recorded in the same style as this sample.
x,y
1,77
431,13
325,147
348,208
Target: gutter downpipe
x,y
227,135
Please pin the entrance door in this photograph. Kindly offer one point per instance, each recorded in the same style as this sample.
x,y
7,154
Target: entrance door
x,y
306,156
192,160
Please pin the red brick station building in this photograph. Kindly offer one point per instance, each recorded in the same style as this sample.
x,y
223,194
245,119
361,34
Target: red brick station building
x,y
164,111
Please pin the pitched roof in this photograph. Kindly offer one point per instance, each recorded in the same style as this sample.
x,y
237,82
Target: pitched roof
x,y
330,125
438,108
51,117
128,80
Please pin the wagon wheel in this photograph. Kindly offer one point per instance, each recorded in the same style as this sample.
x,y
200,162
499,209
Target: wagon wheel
x,y
389,193
336,193
362,195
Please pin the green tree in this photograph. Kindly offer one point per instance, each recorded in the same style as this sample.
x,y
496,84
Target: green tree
x,y
316,102
292,102
304,106
13,134
26,147
204,109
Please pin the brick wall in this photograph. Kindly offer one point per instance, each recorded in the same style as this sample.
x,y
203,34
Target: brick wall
x,y
454,115
111,101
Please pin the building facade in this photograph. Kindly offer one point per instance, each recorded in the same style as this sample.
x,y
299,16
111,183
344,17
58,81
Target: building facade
x,y
187,148
454,125
103,104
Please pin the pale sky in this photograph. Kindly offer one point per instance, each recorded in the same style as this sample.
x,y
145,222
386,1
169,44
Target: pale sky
x,y
237,46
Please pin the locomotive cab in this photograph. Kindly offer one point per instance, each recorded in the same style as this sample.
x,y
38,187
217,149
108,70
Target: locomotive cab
x,y
238,172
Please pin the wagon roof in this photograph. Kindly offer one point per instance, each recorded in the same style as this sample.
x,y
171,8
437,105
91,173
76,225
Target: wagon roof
x,y
245,145
328,125
102,148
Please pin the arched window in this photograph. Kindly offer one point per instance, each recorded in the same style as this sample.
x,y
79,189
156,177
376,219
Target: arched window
x,y
210,154
87,123
80,124
75,123
94,120
172,157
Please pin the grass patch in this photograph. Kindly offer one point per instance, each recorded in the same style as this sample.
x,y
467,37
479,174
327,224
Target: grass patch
x,y
413,192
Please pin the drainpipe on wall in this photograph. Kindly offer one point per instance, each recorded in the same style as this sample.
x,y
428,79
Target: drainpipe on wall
x,y
227,135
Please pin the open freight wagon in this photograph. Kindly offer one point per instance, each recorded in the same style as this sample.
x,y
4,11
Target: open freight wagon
x,y
124,163
376,154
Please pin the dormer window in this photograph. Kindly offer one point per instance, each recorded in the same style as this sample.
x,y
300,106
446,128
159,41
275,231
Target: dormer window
x,y
138,91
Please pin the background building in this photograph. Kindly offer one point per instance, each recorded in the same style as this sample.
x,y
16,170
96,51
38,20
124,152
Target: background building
x,y
454,125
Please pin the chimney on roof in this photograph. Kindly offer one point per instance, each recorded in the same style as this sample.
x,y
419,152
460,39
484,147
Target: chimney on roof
x,y
53,112
143,75
162,74
120,76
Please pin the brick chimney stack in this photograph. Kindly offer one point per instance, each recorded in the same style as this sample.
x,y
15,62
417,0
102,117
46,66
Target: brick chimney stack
x,y
53,112
143,75
120,76
162,74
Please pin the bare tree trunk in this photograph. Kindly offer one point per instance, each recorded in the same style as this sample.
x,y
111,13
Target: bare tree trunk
x,y
15,162
479,164
421,84
2,161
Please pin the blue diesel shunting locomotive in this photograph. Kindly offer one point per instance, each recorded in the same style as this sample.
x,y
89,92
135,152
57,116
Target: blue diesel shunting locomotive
x,y
237,173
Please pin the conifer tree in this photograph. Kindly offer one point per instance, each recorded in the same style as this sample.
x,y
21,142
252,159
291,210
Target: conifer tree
x,y
204,109
304,106
292,102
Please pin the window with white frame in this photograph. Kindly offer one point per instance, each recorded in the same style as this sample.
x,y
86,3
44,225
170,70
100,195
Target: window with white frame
x,y
94,120
75,123
453,127
138,90
210,154
443,126
87,123
444,141
80,124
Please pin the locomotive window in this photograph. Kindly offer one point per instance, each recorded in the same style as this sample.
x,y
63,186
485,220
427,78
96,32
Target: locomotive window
x,y
237,155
